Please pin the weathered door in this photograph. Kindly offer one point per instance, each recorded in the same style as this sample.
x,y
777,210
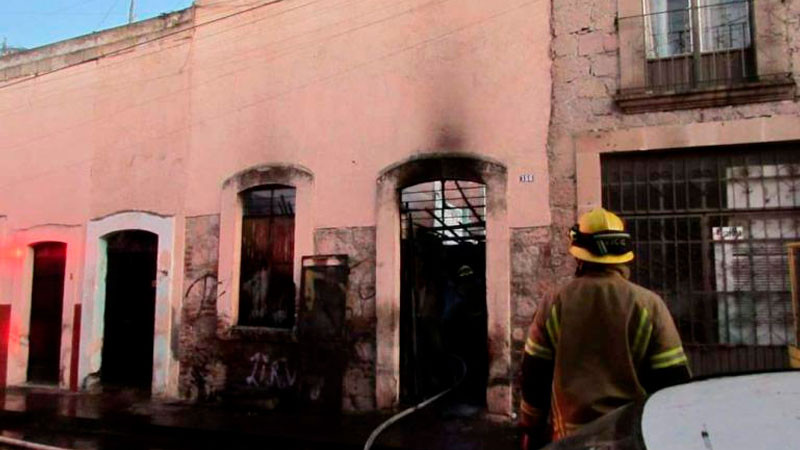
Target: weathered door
x,y
47,293
129,309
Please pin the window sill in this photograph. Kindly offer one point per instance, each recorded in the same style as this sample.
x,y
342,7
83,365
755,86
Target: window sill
x,y
765,90
262,334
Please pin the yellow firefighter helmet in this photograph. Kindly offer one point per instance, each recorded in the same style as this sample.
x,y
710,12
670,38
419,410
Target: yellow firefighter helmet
x,y
600,237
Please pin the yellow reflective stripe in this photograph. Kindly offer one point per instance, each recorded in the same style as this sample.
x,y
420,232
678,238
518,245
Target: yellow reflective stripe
x,y
645,341
553,327
559,428
556,321
676,361
668,358
643,332
534,349
551,333
667,354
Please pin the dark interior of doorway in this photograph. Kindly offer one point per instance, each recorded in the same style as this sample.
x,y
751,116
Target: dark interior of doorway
x,y
47,298
127,358
443,292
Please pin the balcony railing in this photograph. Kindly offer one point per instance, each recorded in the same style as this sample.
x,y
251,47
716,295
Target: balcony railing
x,y
699,46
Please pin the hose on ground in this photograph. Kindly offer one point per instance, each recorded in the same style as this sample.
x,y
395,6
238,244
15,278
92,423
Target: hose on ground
x,y
19,443
392,420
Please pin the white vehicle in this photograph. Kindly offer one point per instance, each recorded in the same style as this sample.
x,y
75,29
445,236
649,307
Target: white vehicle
x,y
746,412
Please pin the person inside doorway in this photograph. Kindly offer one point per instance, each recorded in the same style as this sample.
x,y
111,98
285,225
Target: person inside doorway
x,y
599,343
464,322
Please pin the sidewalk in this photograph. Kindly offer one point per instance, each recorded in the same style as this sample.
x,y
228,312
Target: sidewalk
x,y
139,422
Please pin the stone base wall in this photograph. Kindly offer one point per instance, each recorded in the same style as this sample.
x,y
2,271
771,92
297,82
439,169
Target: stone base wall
x,y
539,264
269,368
216,364
202,374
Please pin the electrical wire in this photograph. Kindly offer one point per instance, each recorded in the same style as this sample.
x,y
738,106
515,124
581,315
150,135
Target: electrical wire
x,y
182,42
258,100
193,86
229,73
108,13
138,44
223,31
394,419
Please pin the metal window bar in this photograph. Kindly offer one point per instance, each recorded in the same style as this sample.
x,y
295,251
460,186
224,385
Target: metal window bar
x,y
452,210
710,233
701,45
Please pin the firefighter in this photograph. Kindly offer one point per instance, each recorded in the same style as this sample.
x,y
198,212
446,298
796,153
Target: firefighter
x,y
599,343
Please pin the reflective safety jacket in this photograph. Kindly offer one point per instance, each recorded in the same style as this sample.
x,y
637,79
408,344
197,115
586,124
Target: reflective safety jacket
x,y
599,343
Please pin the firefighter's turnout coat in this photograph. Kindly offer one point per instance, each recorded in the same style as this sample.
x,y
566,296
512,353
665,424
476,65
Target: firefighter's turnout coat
x,y
599,343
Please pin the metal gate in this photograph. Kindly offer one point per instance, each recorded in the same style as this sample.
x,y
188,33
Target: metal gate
x,y
711,230
443,290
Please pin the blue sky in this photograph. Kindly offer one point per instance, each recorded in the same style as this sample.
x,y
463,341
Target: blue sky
x,y
33,23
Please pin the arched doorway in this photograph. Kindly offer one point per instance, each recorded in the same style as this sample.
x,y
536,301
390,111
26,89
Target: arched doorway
x,y
443,315
47,304
130,298
388,275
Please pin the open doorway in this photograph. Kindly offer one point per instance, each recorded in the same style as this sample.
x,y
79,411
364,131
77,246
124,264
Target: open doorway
x,y
47,302
127,356
443,314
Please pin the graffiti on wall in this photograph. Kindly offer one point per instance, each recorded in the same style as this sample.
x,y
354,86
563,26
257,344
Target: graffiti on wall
x,y
259,366
200,354
267,373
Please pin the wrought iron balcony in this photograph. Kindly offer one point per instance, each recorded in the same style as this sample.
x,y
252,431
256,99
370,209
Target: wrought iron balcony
x,y
682,47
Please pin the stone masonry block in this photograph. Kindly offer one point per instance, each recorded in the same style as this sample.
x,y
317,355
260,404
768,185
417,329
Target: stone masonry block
x,y
571,16
604,66
568,69
610,42
590,44
562,192
565,45
591,87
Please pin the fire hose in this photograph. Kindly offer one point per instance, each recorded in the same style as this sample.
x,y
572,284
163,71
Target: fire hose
x,y
19,443
392,420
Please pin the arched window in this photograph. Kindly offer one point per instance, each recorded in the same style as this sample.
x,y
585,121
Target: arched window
x,y
266,286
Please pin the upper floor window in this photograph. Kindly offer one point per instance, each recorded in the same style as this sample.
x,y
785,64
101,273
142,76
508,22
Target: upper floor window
x,y
680,54
721,25
695,42
266,289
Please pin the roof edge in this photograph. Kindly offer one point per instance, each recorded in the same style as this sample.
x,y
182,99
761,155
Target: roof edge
x,y
91,46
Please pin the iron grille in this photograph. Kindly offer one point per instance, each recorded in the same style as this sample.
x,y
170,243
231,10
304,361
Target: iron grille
x,y
688,44
454,211
710,231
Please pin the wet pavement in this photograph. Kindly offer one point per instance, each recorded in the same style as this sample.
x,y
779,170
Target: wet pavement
x,y
129,420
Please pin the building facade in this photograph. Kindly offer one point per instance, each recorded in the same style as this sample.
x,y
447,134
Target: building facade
x,y
229,177
311,204
682,116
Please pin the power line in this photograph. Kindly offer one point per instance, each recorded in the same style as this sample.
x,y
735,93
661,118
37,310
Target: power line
x,y
184,42
113,5
138,44
245,54
285,92
278,55
165,36
68,7
324,79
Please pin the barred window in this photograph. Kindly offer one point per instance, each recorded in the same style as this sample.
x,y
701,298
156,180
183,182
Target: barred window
x,y
710,230
694,43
